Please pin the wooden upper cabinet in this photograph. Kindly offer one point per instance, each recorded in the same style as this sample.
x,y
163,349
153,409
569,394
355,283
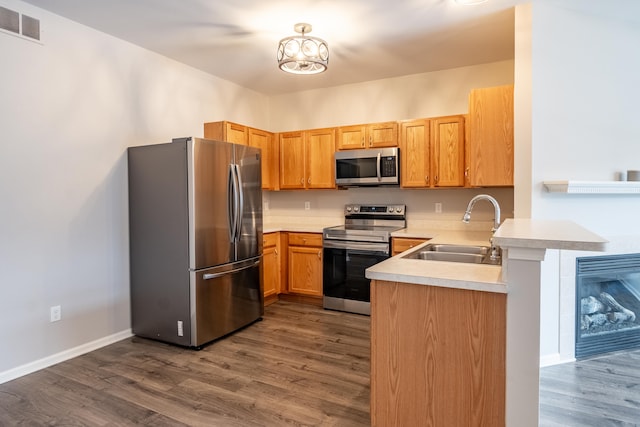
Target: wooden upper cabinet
x,y
265,141
415,157
432,152
382,135
374,135
351,137
240,134
292,160
320,148
227,131
306,159
447,140
490,144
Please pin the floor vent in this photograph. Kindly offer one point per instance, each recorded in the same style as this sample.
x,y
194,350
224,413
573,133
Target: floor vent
x,y
18,24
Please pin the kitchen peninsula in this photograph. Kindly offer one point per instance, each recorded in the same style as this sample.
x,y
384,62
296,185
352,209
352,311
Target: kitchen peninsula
x,y
458,344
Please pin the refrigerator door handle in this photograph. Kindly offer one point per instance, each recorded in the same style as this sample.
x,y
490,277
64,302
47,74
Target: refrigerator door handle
x,y
210,276
240,196
231,206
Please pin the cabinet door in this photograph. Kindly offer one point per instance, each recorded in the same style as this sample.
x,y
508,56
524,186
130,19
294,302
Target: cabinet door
x,y
321,145
351,137
292,160
305,270
414,154
382,135
271,264
226,131
271,271
401,244
447,137
236,133
491,136
264,140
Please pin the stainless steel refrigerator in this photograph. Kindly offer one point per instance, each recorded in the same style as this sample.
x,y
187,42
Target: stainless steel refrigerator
x,y
195,229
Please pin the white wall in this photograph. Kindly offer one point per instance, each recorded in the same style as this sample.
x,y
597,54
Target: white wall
x,y
415,96
69,108
579,79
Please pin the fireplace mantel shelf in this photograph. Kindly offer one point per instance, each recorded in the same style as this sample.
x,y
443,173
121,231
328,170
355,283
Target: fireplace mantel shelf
x,y
593,187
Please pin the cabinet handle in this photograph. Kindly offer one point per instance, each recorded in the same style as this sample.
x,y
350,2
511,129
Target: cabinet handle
x,y
370,141
426,179
466,172
362,143
276,252
304,241
301,181
436,179
319,254
309,180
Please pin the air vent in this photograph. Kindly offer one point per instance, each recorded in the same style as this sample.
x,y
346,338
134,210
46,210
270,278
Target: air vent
x,y
19,24
9,20
30,27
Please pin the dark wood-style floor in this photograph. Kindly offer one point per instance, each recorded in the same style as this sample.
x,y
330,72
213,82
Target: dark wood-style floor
x,y
301,365
599,391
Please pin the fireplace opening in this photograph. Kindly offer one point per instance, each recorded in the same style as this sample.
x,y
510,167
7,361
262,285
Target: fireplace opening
x,y
607,304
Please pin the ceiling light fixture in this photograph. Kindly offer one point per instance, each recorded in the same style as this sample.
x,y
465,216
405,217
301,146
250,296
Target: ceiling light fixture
x,y
303,54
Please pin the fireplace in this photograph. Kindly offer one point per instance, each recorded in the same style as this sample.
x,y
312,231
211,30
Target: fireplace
x,y
607,304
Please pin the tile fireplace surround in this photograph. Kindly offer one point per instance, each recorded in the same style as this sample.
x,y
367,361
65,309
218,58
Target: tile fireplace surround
x,y
567,297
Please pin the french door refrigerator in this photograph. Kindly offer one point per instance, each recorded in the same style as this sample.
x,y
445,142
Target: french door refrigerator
x,y
195,229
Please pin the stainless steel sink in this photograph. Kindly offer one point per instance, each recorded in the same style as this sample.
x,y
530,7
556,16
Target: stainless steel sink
x,y
455,253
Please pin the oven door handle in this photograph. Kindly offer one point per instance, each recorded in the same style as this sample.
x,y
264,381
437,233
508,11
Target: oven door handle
x,y
357,246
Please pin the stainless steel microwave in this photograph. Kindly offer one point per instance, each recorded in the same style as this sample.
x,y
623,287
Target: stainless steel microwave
x,y
369,167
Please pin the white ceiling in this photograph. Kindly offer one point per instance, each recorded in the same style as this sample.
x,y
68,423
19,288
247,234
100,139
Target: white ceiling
x,y
368,39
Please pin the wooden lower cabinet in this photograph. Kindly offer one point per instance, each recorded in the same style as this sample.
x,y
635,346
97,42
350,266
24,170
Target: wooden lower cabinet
x,y
271,267
437,356
304,264
401,244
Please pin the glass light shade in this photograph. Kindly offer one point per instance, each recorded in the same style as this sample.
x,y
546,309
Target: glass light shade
x,y
303,54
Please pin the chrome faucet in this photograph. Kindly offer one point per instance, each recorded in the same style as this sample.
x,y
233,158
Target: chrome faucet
x,y
496,207
495,252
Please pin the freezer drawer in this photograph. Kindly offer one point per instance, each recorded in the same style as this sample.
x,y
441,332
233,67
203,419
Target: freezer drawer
x,y
226,298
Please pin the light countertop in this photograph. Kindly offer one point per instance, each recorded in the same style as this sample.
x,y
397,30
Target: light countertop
x,y
528,233
523,233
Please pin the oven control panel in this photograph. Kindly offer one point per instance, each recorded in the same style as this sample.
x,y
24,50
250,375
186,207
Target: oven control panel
x,y
375,210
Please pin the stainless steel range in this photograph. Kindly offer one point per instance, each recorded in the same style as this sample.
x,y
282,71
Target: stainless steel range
x,y
349,249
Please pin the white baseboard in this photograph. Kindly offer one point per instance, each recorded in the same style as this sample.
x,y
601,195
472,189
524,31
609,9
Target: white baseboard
x,y
554,359
36,365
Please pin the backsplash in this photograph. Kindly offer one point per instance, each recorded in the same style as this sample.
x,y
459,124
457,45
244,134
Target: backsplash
x,y
328,205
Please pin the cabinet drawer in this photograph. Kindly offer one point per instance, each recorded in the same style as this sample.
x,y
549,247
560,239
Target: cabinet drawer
x,y
305,239
269,239
401,244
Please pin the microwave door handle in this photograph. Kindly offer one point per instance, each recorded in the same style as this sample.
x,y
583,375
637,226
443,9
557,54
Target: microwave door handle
x,y
378,167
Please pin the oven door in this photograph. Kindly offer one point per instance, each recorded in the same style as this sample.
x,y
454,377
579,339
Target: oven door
x,y
344,281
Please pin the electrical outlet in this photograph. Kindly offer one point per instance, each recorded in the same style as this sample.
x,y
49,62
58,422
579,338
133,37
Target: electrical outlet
x,y
438,207
307,206
55,313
